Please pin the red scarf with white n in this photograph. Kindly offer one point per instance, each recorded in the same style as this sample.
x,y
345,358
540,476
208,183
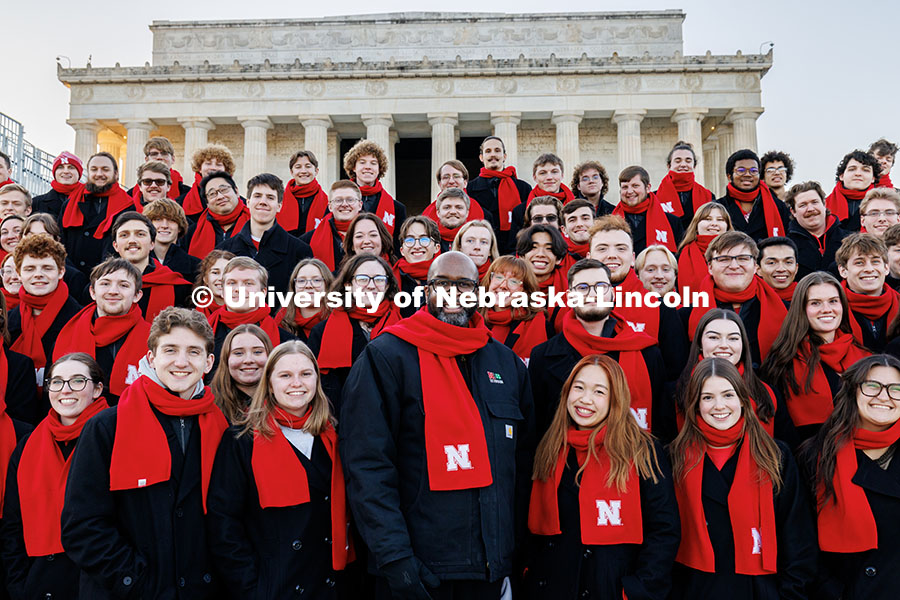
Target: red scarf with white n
x,y
507,194
675,182
657,226
774,226
385,209
455,445
751,507
289,215
608,516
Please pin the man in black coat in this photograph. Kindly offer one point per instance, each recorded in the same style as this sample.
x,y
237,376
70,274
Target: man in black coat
x,y
262,238
67,170
817,233
439,523
752,207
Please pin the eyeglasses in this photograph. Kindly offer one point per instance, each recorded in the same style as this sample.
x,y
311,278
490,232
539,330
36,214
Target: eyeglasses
x,y
497,278
742,259
454,177
76,384
545,219
347,201
156,182
463,285
219,191
601,287
314,281
409,242
872,389
587,179
363,280
773,170
877,214
743,171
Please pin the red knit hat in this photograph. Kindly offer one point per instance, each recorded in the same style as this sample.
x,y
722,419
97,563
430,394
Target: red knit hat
x,y
67,158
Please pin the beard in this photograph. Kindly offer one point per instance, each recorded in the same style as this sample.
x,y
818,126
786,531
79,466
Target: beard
x,y
592,313
459,319
98,189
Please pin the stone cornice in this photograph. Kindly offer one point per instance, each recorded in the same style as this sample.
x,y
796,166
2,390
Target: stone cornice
x,y
757,63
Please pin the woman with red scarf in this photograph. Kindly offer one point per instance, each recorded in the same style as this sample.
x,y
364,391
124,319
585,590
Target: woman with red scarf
x,y
368,235
305,202
210,275
813,349
420,243
245,351
746,525
311,276
603,513
366,163
710,220
520,328
341,338
278,517
855,477
36,563
678,192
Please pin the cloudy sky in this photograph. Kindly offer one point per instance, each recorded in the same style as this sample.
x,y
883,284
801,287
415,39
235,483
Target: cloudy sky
x,y
835,84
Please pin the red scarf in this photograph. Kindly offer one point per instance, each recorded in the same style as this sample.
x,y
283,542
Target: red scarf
x,y
117,201
42,479
175,189
204,239
12,300
258,316
508,197
507,321
543,513
692,265
836,202
771,310
289,216
322,241
448,235
846,523
65,188
768,426
35,327
786,294
83,333
872,307
452,419
580,250
564,195
300,322
137,198
557,280
750,505
658,229
385,209
7,429
483,269
774,226
140,453
192,203
640,318
675,182
418,271
814,407
160,284
884,182
336,350
281,479
628,343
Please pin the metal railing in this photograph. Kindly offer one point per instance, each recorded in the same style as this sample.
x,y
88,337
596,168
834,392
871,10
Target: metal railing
x,y
31,166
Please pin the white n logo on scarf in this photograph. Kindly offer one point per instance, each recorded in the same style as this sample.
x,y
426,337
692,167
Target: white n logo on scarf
x,y
662,236
667,207
132,375
775,232
457,457
757,540
608,513
388,219
317,223
638,327
640,415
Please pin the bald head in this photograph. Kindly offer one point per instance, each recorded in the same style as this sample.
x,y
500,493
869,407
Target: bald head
x,y
453,265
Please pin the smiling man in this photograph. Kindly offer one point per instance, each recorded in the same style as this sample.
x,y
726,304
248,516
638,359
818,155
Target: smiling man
x,y
885,153
224,217
816,232
856,174
305,202
67,169
879,210
154,181
171,225
366,163
650,223
678,192
777,265
133,520
327,239
753,208
777,170
414,475
578,216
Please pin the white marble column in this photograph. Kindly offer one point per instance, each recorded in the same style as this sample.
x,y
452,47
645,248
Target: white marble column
x,y
112,142
196,135
390,178
255,147
628,122
506,127
315,128
690,129
712,164
726,144
86,131
138,134
333,161
567,147
443,143
744,122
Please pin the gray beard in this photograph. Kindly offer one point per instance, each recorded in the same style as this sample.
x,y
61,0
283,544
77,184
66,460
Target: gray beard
x,y
459,319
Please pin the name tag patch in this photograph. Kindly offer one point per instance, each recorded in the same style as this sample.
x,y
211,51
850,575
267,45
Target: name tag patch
x,y
494,377
509,431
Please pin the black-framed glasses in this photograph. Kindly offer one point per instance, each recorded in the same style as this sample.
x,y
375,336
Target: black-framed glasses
x,y
545,219
424,241
76,384
601,287
363,280
742,259
872,389
219,191
463,285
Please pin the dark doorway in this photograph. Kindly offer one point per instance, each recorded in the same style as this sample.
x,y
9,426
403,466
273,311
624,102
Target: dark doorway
x,y
413,173
467,151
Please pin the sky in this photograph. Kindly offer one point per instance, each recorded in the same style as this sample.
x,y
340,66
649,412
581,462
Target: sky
x,y
834,86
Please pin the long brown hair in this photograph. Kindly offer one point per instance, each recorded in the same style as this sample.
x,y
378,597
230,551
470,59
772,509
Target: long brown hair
x,y
290,311
819,454
690,235
763,449
626,443
263,402
778,367
224,387
387,242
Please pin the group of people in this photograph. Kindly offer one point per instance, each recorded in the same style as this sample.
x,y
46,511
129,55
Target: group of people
x,y
157,442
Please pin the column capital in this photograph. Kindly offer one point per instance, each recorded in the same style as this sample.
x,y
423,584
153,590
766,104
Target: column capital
x,y
567,116
501,117
393,136
315,121
84,124
108,135
383,119
446,118
744,112
198,122
684,114
263,122
138,124
628,114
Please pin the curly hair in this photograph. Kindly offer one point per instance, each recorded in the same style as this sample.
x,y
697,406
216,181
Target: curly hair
x,y
209,151
365,148
590,164
863,158
778,155
39,246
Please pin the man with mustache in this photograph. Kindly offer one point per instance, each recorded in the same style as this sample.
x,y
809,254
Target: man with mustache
x,y
817,232
753,208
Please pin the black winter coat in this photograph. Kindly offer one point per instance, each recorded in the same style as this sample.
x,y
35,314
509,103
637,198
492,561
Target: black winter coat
x,y
465,534
638,224
279,252
22,430
21,397
812,257
181,262
484,190
333,380
755,226
337,247
49,203
86,251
